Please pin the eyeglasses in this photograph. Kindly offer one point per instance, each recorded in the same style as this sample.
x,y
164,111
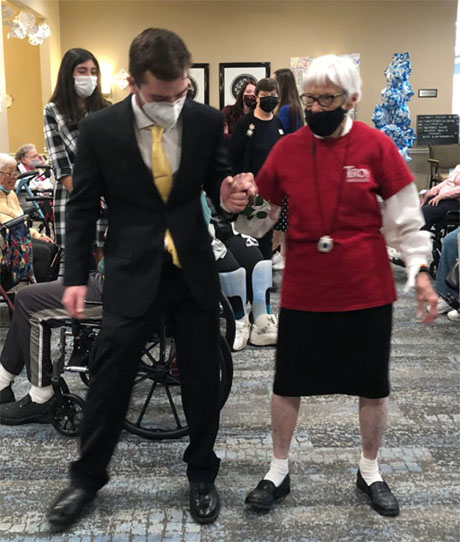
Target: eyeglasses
x,y
325,100
13,175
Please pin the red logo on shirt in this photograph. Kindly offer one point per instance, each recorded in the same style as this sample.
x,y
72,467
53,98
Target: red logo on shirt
x,y
357,175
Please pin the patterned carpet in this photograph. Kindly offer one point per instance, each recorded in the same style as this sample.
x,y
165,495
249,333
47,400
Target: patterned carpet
x,y
146,499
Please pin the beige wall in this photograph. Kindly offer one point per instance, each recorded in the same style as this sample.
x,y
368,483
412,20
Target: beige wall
x,y
30,73
23,78
233,31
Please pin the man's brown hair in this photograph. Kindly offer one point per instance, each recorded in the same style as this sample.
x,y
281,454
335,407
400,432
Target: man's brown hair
x,y
159,51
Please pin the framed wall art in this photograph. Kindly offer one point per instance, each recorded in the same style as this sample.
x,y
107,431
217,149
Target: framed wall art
x,y
232,75
199,78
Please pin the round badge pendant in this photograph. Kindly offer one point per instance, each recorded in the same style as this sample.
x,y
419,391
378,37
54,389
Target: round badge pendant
x,y
325,244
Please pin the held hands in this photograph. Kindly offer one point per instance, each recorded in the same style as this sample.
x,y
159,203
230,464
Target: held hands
x,y
425,294
236,191
74,301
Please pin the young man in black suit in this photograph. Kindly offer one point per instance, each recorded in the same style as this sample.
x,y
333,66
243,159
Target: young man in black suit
x,y
149,156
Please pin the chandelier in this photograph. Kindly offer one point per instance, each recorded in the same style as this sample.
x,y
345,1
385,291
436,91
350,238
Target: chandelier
x,y
24,25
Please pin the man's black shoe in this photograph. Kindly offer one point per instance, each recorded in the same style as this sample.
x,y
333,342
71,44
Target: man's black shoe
x,y
204,502
6,395
69,506
382,499
25,411
263,497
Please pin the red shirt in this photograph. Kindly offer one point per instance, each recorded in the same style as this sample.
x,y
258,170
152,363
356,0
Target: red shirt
x,y
362,164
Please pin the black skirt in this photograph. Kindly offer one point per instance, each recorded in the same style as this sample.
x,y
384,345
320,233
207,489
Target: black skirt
x,y
320,353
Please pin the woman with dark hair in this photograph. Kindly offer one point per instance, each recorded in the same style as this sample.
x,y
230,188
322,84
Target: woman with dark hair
x,y
77,93
245,103
290,111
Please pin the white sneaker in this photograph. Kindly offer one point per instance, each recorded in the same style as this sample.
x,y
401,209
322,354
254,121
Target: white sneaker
x,y
266,333
278,261
443,306
454,315
242,327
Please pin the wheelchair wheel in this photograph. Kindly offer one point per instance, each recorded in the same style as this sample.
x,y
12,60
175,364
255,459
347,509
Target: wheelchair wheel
x,y
227,320
155,410
68,414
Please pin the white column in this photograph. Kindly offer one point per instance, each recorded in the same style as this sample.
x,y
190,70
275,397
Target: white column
x,y
4,144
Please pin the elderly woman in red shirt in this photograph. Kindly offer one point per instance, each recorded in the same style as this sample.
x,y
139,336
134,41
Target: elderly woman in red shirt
x,y
337,291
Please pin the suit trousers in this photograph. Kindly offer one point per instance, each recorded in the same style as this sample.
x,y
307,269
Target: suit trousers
x,y
114,366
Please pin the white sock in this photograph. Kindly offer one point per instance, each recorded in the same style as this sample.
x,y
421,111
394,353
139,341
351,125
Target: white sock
x,y
369,469
41,395
279,468
5,377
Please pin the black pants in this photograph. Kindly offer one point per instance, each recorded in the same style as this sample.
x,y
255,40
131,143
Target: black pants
x,y
433,214
43,256
117,354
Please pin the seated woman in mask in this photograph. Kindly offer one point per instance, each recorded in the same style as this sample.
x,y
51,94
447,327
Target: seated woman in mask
x,y
253,138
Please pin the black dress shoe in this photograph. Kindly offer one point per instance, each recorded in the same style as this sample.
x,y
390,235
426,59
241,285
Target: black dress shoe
x,y
26,411
69,506
263,497
204,502
382,499
6,395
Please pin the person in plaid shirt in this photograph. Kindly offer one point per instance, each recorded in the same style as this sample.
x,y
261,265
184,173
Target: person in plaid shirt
x,y
77,93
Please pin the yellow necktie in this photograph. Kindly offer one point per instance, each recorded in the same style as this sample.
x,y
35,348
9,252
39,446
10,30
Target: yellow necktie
x,y
163,179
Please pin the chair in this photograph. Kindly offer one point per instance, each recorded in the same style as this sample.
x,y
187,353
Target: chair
x,y
441,159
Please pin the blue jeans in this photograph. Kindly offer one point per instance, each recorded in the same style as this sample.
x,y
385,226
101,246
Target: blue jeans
x,y
449,255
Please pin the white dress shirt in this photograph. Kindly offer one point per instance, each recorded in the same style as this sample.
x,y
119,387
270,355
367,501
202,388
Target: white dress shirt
x,y
172,138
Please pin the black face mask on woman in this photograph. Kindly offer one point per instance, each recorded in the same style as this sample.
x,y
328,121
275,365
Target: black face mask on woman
x,y
249,100
324,123
268,103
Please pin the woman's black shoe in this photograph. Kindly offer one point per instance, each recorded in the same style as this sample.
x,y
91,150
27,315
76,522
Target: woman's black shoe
x,y
382,499
266,493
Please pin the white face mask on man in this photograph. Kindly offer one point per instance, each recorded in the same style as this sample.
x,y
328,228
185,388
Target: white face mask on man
x,y
166,114
85,85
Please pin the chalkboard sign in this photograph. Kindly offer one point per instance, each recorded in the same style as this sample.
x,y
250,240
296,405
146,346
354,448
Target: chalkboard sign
x,y
437,129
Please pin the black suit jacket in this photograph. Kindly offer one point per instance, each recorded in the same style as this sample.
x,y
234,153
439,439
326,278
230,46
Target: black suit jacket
x,y
109,164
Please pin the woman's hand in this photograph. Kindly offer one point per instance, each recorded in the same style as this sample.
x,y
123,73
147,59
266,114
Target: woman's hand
x,y
46,239
434,201
425,295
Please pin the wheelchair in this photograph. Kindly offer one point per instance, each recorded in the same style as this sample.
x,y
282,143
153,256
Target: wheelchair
x,y
155,411
42,201
450,222
16,256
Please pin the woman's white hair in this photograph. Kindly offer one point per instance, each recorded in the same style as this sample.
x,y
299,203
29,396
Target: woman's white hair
x,y
6,159
339,70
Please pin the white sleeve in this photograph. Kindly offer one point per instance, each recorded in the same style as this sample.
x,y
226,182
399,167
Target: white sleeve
x,y
402,220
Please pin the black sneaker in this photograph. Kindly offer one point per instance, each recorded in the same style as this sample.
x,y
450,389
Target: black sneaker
x,y
25,411
6,395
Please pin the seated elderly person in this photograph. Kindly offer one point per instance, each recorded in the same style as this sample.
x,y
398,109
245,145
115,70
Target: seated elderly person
x,y
43,247
38,309
448,296
29,159
441,199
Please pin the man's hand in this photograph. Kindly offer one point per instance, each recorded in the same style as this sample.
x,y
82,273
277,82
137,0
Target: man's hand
x,y
426,295
46,238
236,191
74,301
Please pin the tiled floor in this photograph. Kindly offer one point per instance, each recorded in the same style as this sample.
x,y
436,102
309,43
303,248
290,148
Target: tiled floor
x,y
146,499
